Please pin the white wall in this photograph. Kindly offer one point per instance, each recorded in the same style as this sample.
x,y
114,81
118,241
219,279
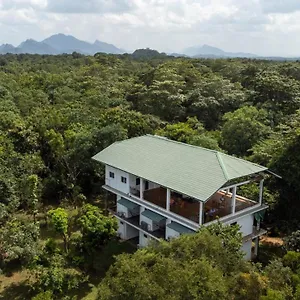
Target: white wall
x,y
121,230
144,240
122,209
171,233
116,182
125,231
148,221
246,224
127,212
246,248
152,225
131,232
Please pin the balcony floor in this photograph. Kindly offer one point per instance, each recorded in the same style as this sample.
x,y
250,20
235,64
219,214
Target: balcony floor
x,y
213,208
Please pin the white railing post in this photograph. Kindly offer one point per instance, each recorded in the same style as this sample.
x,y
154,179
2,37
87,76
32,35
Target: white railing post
x,y
200,213
261,190
168,200
141,188
233,200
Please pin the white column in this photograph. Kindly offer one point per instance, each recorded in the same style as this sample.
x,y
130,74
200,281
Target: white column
x,y
141,188
168,199
200,213
256,246
261,190
233,200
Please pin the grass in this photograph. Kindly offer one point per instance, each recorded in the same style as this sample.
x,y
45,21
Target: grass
x,y
15,286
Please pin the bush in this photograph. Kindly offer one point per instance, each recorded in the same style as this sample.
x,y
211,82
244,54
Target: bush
x,y
292,242
58,277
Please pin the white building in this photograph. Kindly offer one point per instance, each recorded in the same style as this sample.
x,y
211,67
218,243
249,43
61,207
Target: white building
x,y
164,189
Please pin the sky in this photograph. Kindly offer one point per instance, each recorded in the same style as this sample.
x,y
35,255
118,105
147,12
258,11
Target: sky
x,y
263,27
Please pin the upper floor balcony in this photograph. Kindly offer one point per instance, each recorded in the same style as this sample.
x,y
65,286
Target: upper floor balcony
x,y
226,202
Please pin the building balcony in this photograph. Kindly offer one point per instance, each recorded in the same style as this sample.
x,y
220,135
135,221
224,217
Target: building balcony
x,y
134,221
220,205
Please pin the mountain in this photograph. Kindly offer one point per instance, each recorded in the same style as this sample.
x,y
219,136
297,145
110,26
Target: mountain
x,y
33,47
60,43
209,51
108,48
7,48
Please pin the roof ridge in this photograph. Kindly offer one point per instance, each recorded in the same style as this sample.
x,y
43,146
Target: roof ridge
x,y
180,143
220,160
243,160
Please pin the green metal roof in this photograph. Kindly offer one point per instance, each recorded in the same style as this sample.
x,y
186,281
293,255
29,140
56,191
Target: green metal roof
x,y
153,216
191,170
179,228
127,203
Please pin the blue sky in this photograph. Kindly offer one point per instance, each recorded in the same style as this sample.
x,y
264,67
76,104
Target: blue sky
x,y
265,27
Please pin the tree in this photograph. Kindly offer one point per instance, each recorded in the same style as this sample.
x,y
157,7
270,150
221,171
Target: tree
x,y
211,98
190,132
18,242
194,266
96,228
60,221
243,128
32,194
292,242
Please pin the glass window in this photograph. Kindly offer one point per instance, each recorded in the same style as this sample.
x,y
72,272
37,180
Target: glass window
x,y
111,174
138,181
145,236
123,179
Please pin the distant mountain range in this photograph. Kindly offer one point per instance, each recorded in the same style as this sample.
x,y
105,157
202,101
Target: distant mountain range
x,y
58,44
61,43
209,51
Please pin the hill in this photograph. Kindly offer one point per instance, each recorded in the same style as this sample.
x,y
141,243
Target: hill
x,y
209,51
60,43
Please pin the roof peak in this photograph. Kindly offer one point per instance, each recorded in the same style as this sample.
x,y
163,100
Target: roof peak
x,y
180,143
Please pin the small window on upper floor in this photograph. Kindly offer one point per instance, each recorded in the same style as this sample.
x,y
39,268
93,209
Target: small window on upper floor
x,y
138,181
111,174
234,223
145,236
123,179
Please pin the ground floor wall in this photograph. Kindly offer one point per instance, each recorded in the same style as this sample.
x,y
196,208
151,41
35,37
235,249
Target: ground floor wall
x,y
247,249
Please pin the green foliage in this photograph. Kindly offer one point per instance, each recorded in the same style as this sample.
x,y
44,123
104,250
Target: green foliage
x,y
47,295
18,241
292,242
244,128
96,228
273,295
57,277
59,219
191,132
194,266
56,112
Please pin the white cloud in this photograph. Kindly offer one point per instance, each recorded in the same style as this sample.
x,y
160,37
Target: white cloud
x,y
259,26
280,6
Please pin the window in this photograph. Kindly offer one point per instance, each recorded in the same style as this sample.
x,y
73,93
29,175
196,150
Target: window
x,y
146,185
121,223
234,223
123,179
145,236
111,174
138,181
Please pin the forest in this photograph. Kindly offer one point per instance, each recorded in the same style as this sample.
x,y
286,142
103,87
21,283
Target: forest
x,y
57,240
